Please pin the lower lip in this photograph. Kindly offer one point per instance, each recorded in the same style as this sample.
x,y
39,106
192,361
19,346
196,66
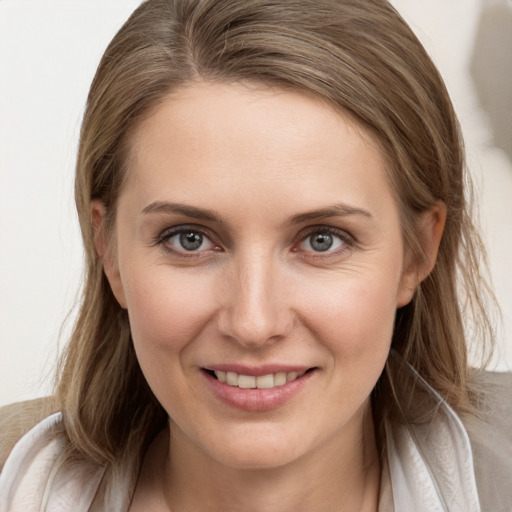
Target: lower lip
x,y
257,399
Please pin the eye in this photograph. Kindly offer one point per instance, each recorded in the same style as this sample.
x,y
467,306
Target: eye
x,y
325,240
186,240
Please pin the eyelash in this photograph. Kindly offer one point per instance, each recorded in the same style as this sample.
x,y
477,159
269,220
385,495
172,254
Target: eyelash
x,y
169,233
347,239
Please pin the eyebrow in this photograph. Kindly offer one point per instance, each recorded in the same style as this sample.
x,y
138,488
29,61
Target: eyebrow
x,y
183,209
337,210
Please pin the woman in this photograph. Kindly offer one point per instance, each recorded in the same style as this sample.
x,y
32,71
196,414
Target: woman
x,y
271,196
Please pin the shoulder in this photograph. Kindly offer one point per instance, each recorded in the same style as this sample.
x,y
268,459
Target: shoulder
x,y
494,391
496,395
29,464
490,434
36,474
18,418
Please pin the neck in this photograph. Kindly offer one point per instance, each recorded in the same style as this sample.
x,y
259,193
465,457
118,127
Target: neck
x,y
341,475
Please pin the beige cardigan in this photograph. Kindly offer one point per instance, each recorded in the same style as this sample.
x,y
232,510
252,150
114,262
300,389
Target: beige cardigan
x,y
490,436
491,441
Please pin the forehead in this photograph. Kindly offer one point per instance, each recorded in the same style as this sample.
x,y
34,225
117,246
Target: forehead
x,y
254,140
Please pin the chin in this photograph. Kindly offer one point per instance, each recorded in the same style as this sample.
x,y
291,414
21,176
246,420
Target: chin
x,y
260,452
261,460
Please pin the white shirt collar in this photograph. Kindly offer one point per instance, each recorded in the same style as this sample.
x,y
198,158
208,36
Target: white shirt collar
x,y
431,463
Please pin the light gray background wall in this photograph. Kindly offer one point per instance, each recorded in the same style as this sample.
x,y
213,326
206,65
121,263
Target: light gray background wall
x,y
48,53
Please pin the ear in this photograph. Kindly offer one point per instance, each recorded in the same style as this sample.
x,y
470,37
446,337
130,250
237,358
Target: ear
x,y
429,229
105,251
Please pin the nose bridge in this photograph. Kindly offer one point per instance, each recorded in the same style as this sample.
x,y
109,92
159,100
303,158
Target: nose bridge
x,y
257,309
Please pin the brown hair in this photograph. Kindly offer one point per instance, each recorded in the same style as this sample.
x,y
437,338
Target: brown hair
x,y
360,57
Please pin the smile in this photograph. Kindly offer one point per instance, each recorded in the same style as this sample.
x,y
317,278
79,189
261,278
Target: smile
x,y
268,381
257,389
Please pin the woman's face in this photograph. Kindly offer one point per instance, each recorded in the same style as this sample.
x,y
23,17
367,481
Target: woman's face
x,y
258,241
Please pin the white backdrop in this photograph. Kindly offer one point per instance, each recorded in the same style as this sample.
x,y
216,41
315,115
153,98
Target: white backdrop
x,y
48,53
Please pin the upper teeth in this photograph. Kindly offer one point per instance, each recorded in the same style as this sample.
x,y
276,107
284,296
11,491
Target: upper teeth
x,y
262,382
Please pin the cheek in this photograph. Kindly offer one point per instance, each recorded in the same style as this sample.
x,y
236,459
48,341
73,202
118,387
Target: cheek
x,y
167,310
355,326
354,315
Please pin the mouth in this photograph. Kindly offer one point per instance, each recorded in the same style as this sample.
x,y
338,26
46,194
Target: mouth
x,y
267,381
257,389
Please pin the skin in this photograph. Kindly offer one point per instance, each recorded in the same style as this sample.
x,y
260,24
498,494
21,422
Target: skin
x,y
257,292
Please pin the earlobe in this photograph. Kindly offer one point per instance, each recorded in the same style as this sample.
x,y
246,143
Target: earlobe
x,y
105,252
429,228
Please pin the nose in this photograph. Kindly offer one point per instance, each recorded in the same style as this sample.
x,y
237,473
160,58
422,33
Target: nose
x,y
256,304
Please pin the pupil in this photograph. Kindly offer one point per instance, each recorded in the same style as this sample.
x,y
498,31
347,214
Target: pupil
x,y
321,242
191,241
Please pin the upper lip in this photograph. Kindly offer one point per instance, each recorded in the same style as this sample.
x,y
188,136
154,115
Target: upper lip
x,y
257,371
